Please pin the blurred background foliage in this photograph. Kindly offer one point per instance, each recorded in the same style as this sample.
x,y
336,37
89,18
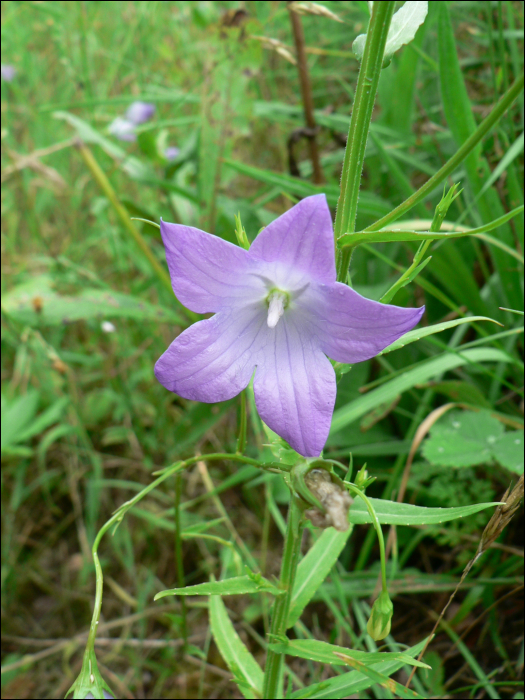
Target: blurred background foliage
x,y
86,311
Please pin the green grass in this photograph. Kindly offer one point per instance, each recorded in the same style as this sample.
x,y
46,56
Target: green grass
x,y
90,424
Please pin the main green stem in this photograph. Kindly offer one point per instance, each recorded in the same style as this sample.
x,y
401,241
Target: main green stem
x,y
273,675
365,96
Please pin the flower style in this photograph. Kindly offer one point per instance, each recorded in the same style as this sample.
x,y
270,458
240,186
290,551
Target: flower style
x,y
278,311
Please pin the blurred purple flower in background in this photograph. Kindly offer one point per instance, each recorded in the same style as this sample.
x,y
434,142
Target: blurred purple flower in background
x,y
8,72
123,128
171,152
140,112
278,310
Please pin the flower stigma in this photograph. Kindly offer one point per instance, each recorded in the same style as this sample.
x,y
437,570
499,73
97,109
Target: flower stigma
x,y
277,302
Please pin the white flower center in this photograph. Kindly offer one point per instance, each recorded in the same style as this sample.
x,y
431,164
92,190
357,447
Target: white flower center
x,y
277,302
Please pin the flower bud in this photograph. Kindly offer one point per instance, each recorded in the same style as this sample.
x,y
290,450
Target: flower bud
x,y
378,626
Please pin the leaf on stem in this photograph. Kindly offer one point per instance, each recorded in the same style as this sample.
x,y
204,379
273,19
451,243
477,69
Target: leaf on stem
x,y
403,28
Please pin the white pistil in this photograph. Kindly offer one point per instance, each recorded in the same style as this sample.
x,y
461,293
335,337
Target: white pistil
x,y
276,304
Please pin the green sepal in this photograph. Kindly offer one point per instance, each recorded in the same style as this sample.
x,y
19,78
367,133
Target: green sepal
x,y
89,680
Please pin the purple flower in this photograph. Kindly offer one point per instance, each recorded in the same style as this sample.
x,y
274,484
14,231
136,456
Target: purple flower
x,y
8,72
123,129
171,152
278,311
140,112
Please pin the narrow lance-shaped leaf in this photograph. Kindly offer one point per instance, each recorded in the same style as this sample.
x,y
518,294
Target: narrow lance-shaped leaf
x,y
314,568
380,678
230,586
388,236
349,684
246,670
324,653
422,373
393,513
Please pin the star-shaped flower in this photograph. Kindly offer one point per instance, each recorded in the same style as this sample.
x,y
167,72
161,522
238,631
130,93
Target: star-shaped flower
x,y
279,311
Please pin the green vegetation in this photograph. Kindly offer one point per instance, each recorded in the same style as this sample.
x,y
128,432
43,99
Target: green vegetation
x,y
87,309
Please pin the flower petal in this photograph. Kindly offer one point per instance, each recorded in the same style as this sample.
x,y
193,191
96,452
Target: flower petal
x,y
351,328
303,238
213,360
123,129
295,389
140,112
207,273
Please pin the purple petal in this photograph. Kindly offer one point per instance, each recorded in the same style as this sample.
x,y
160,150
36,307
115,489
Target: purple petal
x,y
8,72
295,389
123,129
352,328
140,112
171,152
303,238
207,273
213,360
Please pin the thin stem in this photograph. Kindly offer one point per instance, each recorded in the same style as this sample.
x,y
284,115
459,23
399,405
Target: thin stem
x,y
272,687
406,277
365,96
178,557
241,442
378,530
449,167
306,93
115,520
118,515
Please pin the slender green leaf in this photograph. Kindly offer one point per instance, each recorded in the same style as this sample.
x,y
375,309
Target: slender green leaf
x,y
380,678
419,333
349,684
393,513
325,653
422,373
230,586
460,119
247,672
314,568
388,236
